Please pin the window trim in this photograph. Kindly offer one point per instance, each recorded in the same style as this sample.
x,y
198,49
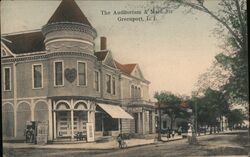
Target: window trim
x,y
33,80
110,84
86,74
54,70
4,87
99,81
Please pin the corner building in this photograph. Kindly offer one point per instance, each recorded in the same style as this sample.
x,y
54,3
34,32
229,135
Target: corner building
x,y
55,75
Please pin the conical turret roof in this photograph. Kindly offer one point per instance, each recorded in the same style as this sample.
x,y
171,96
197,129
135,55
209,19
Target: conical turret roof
x,y
69,11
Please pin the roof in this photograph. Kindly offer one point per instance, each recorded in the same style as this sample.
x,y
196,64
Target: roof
x,y
69,11
25,42
126,68
101,55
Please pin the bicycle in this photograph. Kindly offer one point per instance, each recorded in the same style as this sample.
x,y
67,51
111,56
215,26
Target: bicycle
x,y
123,144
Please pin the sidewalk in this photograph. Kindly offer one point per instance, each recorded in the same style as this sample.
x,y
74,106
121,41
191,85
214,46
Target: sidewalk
x,y
92,145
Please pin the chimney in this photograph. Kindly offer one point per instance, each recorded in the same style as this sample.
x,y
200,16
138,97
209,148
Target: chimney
x,y
103,43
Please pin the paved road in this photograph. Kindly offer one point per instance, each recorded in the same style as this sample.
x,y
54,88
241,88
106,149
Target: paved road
x,y
210,145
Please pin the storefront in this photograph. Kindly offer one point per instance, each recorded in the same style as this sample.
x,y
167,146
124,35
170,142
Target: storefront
x,y
108,119
70,118
144,118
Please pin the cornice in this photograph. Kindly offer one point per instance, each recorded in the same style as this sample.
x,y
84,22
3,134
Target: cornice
x,y
70,26
48,56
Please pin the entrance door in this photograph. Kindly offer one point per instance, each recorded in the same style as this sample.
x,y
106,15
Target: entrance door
x,y
136,122
64,124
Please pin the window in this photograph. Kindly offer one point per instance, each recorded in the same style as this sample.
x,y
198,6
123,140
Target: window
x,y
139,92
108,83
132,91
113,85
96,80
82,73
4,53
7,79
37,76
58,68
135,92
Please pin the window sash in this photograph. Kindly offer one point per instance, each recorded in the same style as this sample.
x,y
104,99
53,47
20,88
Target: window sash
x,y
58,73
7,79
113,86
81,73
108,83
96,81
37,76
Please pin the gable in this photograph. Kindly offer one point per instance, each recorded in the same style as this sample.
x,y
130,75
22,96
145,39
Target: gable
x,y
5,51
137,72
109,61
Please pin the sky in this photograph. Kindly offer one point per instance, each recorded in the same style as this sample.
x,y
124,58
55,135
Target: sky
x,y
172,51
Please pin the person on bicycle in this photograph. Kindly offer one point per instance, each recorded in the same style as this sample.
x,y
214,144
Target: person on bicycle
x,y
119,140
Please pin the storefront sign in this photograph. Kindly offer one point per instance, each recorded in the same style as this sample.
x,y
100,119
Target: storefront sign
x,y
134,109
42,132
90,132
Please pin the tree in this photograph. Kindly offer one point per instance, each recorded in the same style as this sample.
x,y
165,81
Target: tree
x,y
231,16
235,117
211,106
170,104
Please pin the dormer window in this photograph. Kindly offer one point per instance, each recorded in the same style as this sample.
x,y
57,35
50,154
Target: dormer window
x,y
4,54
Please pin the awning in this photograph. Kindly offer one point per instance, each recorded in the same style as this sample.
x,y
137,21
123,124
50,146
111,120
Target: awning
x,y
115,111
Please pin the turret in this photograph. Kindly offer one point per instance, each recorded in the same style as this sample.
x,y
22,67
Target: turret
x,y
68,30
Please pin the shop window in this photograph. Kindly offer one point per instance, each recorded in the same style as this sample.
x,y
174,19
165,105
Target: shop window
x,y
164,124
58,77
37,76
7,79
98,122
82,80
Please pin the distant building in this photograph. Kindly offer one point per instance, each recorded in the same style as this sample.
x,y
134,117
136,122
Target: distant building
x,y
54,75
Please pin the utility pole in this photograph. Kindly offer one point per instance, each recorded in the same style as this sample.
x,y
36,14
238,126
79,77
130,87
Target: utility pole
x,y
159,123
196,124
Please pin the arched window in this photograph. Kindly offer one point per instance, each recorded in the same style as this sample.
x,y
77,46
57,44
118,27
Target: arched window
x,y
132,91
139,92
136,93
80,106
62,106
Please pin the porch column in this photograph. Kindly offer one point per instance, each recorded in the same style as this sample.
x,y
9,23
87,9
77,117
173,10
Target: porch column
x,y
15,98
153,121
50,120
72,124
54,122
139,122
32,109
143,122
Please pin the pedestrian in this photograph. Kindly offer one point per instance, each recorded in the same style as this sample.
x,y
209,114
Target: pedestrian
x,y
119,140
179,130
168,133
173,132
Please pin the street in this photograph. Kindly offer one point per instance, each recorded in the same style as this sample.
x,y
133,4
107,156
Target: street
x,y
209,145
